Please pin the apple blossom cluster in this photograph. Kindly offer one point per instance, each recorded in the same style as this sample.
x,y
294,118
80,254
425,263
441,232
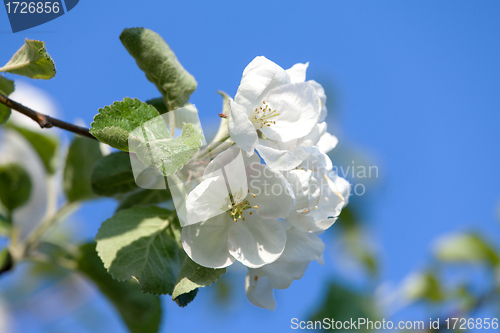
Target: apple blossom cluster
x,y
264,200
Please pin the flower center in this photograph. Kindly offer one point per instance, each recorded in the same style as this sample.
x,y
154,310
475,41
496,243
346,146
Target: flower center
x,y
262,116
238,206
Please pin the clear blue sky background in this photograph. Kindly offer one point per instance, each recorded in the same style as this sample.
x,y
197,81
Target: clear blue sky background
x,y
416,86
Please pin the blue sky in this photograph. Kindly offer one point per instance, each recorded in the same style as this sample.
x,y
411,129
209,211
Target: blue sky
x,y
413,86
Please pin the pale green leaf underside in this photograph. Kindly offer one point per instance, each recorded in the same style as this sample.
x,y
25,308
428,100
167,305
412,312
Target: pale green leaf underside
x,y
194,276
144,243
158,61
31,60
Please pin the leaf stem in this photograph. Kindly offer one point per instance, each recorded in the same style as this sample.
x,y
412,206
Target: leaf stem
x,y
43,120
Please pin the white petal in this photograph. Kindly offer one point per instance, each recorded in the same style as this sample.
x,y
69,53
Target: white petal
x,y
307,222
313,137
208,199
256,241
334,196
241,128
276,158
301,248
231,163
297,72
322,96
227,157
259,77
316,160
207,242
297,106
270,192
282,274
342,186
305,187
259,290
327,142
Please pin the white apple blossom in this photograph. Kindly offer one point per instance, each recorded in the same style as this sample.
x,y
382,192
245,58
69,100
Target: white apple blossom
x,y
301,248
288,127
233,213
269,102
320,193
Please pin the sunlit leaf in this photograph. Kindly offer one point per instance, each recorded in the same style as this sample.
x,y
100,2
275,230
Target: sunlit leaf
x,y
467,247
31,60
144,243
423,286
114,123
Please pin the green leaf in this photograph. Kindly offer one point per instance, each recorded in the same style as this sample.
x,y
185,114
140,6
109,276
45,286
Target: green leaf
x,y
45,145
193,276
187,114
424,286
6,262
31,60
15,186
141,312
144,243
158,61
137,127
343,304
164,154
112,175
466,248
5,226
159,104
113,124
6,88
144,197
83,153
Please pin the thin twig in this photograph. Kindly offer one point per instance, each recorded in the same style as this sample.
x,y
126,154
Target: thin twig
x,y
43,120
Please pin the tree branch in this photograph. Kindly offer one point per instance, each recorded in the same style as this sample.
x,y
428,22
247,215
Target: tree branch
x,y
43,120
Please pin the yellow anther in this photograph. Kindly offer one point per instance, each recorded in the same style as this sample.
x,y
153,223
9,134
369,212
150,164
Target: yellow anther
x,y
256,207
